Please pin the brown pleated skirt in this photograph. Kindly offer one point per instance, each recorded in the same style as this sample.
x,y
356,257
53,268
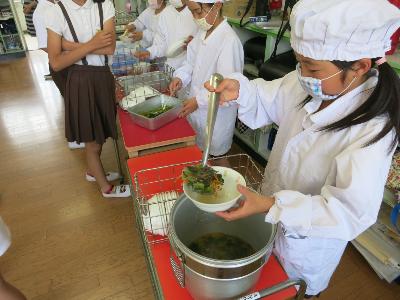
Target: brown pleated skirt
x,y
60,79
90,109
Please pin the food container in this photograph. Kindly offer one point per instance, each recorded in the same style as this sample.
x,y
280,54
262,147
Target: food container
x,y
207,278
223,199
153,103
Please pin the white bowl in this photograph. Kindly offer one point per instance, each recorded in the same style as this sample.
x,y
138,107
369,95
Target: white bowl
x,y
221,200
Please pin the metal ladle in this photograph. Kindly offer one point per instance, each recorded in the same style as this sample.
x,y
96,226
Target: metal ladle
x,y
213,104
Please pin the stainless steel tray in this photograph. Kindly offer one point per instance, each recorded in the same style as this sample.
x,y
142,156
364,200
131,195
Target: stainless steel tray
x,y
152,103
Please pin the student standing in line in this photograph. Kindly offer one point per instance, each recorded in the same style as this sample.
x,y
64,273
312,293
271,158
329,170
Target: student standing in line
x,y
7,291
339,124
39,20
215,49
145,26
28,9
175,24
81,37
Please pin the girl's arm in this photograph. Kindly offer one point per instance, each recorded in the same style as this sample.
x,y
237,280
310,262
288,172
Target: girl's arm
x,y
263,102
60,60
109,50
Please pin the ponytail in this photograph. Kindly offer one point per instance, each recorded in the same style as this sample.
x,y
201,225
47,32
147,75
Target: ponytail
x,y
384,101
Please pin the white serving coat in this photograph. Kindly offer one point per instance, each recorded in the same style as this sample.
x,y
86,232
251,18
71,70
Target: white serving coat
x,y
147,22
172,27
221,52
328,187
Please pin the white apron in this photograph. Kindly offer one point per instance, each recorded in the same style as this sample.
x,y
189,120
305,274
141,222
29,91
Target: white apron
x,y
327,189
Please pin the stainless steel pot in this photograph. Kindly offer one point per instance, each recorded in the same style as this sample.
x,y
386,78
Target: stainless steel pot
x,y
207,278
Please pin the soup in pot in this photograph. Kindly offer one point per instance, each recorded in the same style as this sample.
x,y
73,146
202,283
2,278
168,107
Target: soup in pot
x,y
221,246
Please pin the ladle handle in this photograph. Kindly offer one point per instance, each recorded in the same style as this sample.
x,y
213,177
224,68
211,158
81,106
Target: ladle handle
x,y
213,104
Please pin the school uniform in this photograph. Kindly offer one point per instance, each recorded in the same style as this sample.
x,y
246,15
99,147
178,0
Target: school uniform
x,y
90,110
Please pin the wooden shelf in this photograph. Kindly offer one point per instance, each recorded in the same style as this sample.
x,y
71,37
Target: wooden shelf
x,y
14,51
6,18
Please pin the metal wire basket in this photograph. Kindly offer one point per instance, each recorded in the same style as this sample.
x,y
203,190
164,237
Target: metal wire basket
x,y
157,189
150,79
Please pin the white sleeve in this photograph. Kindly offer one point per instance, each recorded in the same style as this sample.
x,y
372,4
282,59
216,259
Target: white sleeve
x,y
230,60
184,73
39,21
159,46
264,102
108,10
350,199
141,23
55,20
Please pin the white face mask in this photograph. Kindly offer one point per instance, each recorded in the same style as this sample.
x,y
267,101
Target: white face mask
x,y
176,3
154,4
313,86
202,22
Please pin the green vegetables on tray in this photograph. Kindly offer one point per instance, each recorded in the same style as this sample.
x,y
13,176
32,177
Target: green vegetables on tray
x,y
203,180
156,111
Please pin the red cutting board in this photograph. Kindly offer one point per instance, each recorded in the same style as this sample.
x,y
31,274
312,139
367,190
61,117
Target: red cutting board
x,y
272,273
139,138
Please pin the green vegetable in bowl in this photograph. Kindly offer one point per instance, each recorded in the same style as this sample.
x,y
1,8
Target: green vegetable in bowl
x,y
156,111
203,180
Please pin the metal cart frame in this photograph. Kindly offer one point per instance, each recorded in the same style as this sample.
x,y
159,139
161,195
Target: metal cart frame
x,y
240,162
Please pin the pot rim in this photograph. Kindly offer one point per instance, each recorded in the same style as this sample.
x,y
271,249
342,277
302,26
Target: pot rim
x,y
184,250
227,279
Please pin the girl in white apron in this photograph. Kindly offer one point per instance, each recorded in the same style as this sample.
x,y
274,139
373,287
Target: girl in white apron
x,y
339,124
215,49
145,26
174,25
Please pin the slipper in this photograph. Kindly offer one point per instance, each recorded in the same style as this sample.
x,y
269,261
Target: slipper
x,y
75,145
110,176
118,191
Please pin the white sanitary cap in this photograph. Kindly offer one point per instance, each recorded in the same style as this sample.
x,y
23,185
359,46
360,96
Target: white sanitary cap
x,y
345,30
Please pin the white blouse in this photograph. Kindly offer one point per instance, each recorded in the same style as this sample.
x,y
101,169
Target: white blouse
x,y
39,20
85,20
